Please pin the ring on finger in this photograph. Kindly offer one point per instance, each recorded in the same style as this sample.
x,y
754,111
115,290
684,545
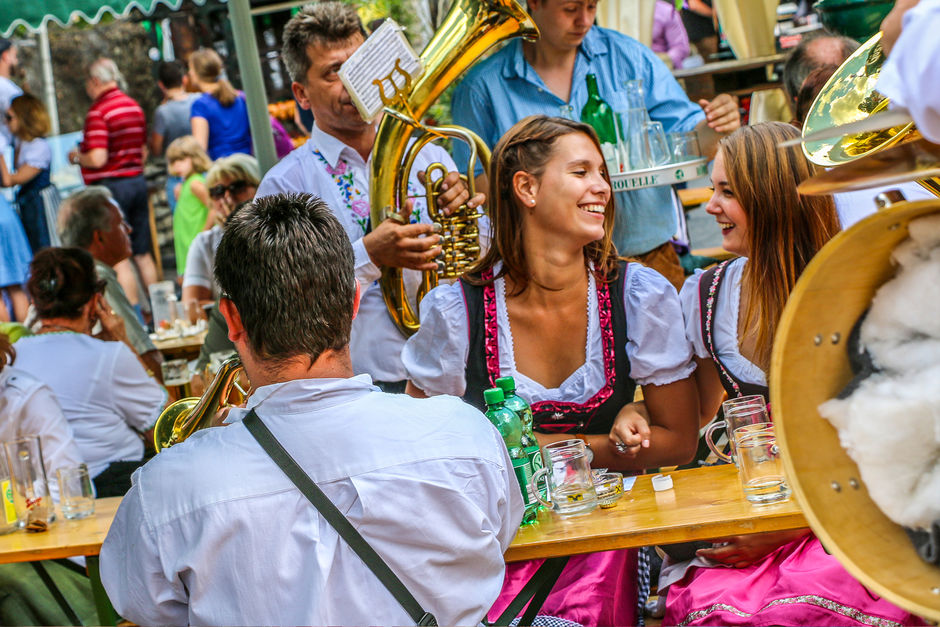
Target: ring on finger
x,y
621,447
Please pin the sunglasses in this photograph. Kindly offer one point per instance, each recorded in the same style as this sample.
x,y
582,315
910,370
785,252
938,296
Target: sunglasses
x,y
218,191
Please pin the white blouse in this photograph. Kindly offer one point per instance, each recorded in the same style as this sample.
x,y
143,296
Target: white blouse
x,y
28,407
436,356
104,392
724,325
35,152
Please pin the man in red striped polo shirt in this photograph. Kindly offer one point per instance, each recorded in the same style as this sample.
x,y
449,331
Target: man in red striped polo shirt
x,y
112,154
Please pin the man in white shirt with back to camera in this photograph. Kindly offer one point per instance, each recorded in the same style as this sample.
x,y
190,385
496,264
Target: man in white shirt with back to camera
x,y
214,533
334,164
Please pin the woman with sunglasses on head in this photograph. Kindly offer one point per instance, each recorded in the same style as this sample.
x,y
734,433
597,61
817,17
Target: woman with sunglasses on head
x,y
231,180
731,315
105,393
551,305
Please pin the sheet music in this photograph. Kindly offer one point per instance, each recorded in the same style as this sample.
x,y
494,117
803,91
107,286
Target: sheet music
x,y
375,59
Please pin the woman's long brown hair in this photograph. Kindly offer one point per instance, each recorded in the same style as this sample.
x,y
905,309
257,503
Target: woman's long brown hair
x,y
784,229
207,64
527,147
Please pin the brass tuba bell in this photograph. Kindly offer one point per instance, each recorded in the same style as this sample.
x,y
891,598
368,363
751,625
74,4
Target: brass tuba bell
x,y
850,96
470,28
186,416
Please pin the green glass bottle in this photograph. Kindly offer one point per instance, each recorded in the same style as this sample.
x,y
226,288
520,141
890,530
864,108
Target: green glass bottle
x,y
509,425
599,115
521,407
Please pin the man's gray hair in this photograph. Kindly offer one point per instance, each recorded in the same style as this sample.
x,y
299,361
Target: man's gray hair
x,y
802,62
106,71
327,23
83,213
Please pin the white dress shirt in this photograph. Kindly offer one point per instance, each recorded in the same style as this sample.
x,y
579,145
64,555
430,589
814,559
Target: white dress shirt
x,y
436,356
213,532
376,342
104,392
724,325
910,77
28,407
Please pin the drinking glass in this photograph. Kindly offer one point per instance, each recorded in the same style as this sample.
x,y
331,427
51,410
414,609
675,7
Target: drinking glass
x,y
638,151
743,412
8,516
31,496
76,495
609,488
160,306
761,469
656,139
683,146
568,477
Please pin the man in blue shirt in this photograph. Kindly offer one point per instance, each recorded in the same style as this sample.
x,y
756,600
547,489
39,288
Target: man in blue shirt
x,y
529,78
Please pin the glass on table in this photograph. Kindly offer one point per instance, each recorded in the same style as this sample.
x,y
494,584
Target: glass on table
x,y
31,496
742,412
760,464
567,474
76,494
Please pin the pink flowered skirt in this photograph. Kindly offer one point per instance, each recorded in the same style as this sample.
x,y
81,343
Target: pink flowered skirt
x,y
593,589
798,584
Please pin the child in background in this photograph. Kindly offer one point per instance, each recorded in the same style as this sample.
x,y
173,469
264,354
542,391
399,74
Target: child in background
x,y
37,197
187,159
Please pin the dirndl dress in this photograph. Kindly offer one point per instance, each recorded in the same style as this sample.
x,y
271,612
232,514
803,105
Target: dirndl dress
x,y
15,253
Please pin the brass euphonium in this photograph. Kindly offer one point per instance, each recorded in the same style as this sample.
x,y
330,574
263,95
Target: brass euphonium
x,y
186,416
470,28
850,96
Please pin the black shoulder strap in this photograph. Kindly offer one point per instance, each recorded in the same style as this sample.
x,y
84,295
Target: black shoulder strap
x,y
339,522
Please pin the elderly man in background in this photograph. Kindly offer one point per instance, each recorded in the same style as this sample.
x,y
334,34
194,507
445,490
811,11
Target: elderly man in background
x,y
805,73
823,50
112,154
90,219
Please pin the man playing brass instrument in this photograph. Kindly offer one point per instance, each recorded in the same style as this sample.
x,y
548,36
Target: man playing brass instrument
x,y
334,164
214,533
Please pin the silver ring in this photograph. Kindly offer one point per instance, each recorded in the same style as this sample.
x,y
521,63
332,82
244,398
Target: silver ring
x,y
621,447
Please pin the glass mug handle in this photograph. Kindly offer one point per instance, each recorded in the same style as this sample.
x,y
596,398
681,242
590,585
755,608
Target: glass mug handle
x,y
534,486
711,444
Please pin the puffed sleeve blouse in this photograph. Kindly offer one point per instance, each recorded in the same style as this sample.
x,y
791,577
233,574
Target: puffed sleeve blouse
x,y
436,356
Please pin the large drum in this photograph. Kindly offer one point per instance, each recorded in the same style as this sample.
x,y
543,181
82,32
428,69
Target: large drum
x,y
809,366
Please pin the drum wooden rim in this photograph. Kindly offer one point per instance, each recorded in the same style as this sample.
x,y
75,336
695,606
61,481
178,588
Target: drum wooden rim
x,y
809,365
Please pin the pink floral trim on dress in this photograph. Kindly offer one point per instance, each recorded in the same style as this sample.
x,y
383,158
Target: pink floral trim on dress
x,y
553,412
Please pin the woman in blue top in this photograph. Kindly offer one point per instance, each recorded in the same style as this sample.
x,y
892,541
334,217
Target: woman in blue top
x,y
219,117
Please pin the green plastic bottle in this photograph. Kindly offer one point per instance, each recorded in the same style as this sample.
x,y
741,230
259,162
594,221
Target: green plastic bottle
x,y
599,115
516,403
509,425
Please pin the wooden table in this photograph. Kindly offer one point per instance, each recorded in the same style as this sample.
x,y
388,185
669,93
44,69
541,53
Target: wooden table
x,y
704,503
187,347
68,538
